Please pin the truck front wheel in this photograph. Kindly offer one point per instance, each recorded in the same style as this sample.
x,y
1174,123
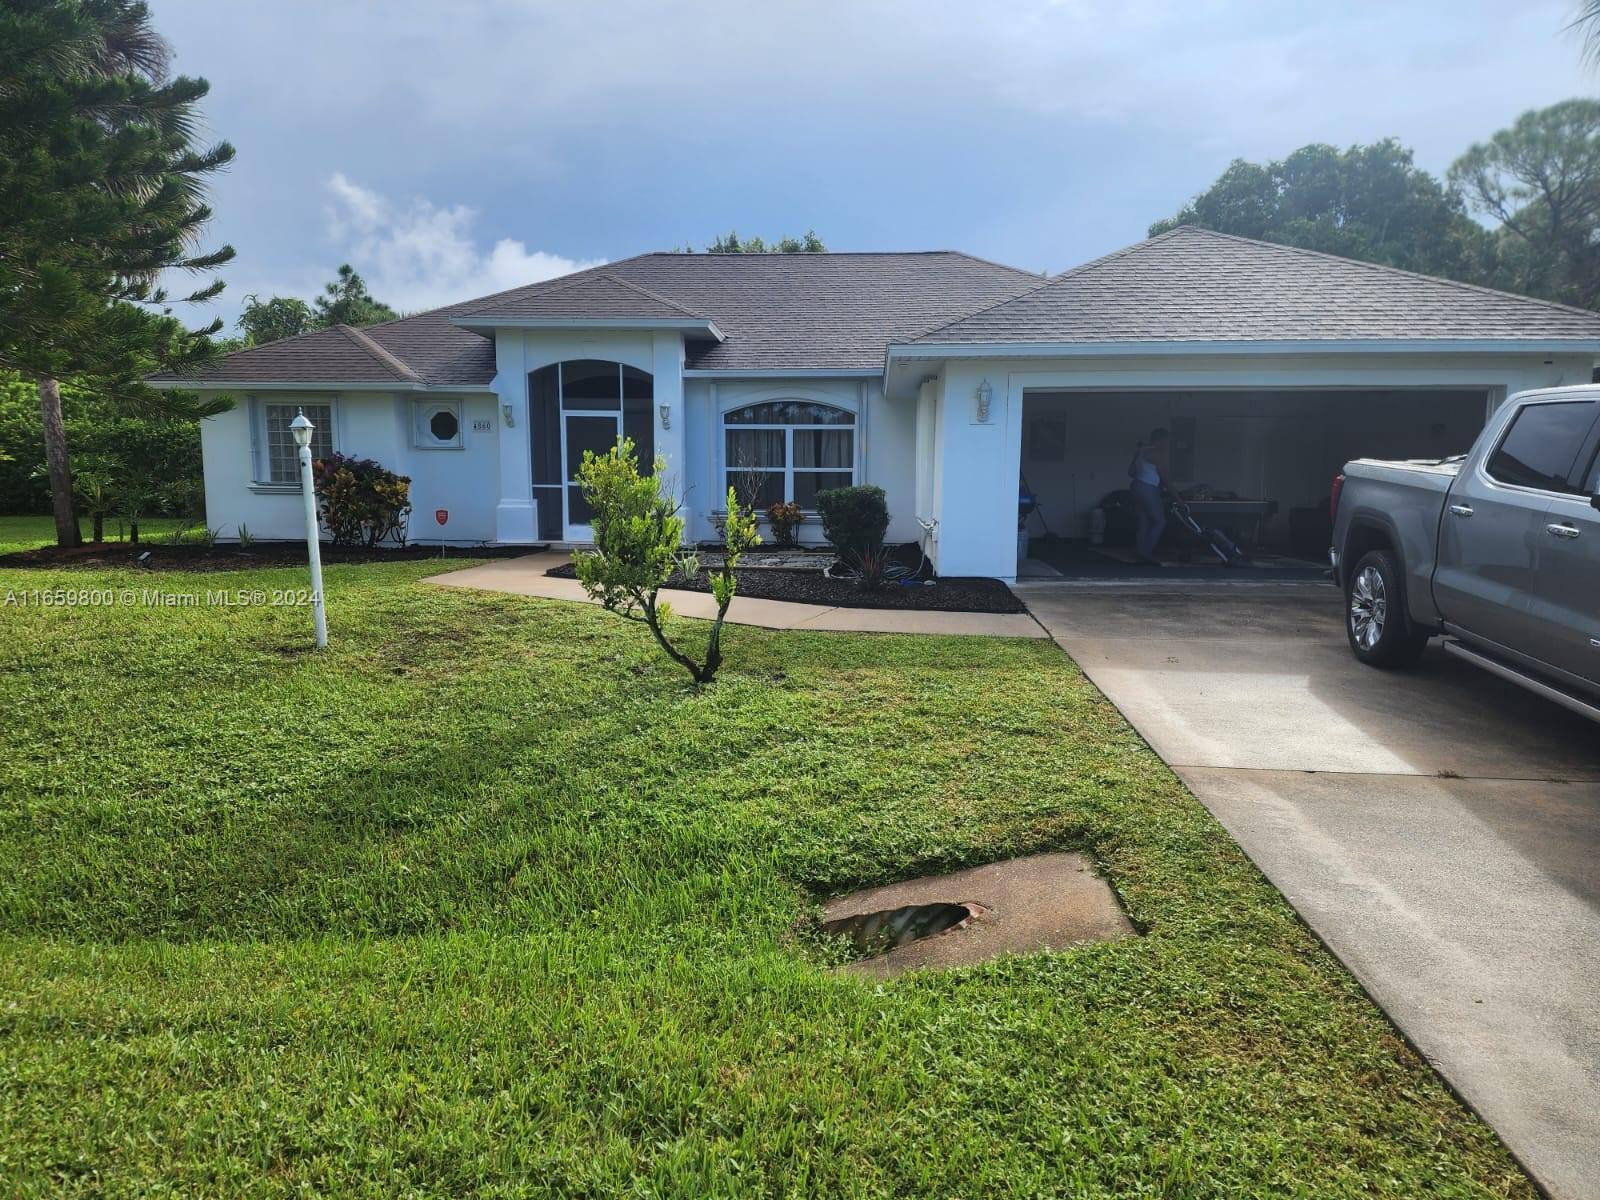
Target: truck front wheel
x,y
1380,631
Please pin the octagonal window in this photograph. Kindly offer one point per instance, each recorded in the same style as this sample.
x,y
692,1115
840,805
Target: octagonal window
x,y
444,426
436,424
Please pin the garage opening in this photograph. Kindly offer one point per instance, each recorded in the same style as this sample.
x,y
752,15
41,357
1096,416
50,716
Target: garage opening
x,y
1254,464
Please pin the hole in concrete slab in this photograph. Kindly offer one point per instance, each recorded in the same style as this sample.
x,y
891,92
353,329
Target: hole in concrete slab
x,y
1020,906
886,929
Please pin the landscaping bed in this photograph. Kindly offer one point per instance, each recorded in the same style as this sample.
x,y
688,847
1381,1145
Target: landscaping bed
x,y
923,591
486,900
812,587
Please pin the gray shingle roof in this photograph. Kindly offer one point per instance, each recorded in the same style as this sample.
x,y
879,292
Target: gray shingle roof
x,y
780,311
836,311
1193,285
842,311
583,297
338,354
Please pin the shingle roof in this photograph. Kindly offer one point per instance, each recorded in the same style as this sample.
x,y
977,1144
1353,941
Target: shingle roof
x,y
836,311
1194,285
583,297
338,354
842,311
779,311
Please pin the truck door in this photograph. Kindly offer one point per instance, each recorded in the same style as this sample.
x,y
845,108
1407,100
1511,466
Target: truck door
x,y
1492,537
1566,592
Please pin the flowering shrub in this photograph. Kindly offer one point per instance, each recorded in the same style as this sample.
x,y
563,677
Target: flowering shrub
x,y
785,517
361,502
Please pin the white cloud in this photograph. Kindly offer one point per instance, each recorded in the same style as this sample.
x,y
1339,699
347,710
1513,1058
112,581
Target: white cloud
x,y
417,255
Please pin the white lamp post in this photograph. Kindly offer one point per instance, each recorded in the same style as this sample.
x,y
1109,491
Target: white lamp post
x,y
302,429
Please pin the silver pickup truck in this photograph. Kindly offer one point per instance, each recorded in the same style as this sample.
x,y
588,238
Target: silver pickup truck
x,y
1498,550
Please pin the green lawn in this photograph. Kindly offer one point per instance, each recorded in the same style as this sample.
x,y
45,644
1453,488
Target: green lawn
x,y
485,901
24,533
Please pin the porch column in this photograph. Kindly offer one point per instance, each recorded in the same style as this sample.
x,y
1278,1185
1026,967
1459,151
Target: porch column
x,y
978,475
514,512
666,366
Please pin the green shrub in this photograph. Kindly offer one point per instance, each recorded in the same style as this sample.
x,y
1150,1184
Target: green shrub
x,y
361,502
102,438
854,519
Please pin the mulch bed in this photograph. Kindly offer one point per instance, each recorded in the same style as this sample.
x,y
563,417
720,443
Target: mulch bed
x,y
192,557
944,594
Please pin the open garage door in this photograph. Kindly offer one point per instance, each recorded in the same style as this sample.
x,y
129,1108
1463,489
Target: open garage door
x,y
1255,463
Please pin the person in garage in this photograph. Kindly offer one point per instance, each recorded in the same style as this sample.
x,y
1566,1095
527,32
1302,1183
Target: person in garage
x,y
1148,475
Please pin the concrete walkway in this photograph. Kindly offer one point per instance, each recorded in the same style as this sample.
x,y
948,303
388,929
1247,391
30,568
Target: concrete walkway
x,y
526,576
1439,829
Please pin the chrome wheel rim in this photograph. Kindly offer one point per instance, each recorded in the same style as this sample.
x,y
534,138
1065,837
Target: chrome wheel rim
x,y
1369,607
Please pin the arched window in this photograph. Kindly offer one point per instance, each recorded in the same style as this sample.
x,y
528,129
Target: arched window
x,y
577,405
787,450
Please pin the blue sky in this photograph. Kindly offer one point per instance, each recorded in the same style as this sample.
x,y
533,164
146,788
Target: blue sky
x,y
448,150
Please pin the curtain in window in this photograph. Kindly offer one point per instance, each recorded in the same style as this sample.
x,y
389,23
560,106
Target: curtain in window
x,y
824,448
755,460
792,458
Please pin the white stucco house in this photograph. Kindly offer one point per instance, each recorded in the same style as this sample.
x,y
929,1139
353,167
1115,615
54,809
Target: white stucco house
x,y
942,378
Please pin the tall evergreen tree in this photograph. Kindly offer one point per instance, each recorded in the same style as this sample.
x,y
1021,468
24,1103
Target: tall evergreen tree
x,y
101,190
1587,26
346,301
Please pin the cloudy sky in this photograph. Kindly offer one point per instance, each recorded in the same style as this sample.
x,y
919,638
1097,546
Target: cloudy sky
x,y
448,150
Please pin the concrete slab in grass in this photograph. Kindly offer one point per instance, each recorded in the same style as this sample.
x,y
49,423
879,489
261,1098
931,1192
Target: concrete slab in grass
x,y
1027,905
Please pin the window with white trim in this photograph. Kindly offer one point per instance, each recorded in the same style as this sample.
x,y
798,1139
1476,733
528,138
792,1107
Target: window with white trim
x,y
436,424
787,450
278,460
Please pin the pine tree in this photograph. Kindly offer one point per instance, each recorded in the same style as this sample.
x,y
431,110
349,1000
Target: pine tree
x,y
346,301
101,190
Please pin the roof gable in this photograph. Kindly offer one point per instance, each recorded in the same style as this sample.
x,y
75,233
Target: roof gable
x,y
1195,285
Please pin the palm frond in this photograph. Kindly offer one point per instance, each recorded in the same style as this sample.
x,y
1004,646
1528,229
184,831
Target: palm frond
x,y
1587,26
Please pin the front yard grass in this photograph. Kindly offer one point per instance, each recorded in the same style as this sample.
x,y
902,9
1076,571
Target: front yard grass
x,y
485,901
28,532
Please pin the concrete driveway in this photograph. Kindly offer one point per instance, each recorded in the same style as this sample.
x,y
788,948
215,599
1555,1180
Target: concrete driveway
x,y
1439,829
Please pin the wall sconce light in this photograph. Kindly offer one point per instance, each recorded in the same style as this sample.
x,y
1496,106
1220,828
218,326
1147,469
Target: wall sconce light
x,y
985,396
666,416
508,413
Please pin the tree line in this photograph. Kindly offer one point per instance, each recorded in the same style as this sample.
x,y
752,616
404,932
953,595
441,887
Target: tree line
x,y
1534,187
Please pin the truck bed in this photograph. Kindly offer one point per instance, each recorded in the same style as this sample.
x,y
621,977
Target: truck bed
x,y
1432,473
1407,499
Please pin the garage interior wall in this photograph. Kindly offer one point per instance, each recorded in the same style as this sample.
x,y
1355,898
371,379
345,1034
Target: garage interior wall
x,y
1277,445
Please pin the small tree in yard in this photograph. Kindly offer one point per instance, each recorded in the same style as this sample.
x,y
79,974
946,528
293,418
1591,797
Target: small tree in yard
x,y
638,538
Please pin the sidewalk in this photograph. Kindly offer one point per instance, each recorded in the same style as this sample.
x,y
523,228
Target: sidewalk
x,y
526,577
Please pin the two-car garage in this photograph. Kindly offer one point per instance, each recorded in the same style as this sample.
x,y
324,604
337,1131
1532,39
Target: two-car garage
x,y
1268,366
1255,462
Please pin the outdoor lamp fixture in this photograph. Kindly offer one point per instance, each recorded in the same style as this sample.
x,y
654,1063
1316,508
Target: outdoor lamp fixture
x,y
666,416
302,429
985,396
509,414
